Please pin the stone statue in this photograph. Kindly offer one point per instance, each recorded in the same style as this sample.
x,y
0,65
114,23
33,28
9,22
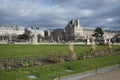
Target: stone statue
x,y
105,40
35,40
88,40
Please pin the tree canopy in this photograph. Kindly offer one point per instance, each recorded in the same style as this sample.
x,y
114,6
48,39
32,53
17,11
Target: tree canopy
x,y
98,33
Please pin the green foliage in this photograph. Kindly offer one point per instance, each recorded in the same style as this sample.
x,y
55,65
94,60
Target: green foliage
x,y
50,72
98,33
1,64
28,34
84,56
23,36
62,60
27,63
13,51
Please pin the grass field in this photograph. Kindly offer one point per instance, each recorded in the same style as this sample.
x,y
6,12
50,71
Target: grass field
x,y
50,72
8,51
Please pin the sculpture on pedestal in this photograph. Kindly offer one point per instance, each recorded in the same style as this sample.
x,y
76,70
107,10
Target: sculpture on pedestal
x,y
88,40
35,40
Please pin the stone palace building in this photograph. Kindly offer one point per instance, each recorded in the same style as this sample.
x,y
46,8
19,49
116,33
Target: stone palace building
x,y
8,33
72,32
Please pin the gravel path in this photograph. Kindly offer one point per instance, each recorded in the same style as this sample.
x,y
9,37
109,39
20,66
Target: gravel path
x,y
107,73
112,75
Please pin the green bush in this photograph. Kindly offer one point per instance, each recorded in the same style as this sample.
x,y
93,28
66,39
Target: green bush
x,y
27,63
50,72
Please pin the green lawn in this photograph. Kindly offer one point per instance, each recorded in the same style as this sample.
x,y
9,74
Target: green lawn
x,y
50,72
42,50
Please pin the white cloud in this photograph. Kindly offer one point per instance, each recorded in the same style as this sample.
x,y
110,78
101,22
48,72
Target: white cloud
x,y
102,12
112,1
86,12
109,19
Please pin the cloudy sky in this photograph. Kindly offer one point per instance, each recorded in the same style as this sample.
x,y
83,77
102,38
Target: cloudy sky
x,y
56,13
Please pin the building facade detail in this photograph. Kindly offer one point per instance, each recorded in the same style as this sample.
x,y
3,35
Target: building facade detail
x,y
73,30
8,33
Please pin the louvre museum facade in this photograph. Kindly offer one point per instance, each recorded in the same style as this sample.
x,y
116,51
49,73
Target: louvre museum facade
x,y
72,32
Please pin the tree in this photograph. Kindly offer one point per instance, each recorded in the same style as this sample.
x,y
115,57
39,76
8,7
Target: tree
x,y
23,36
98,34
28,34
